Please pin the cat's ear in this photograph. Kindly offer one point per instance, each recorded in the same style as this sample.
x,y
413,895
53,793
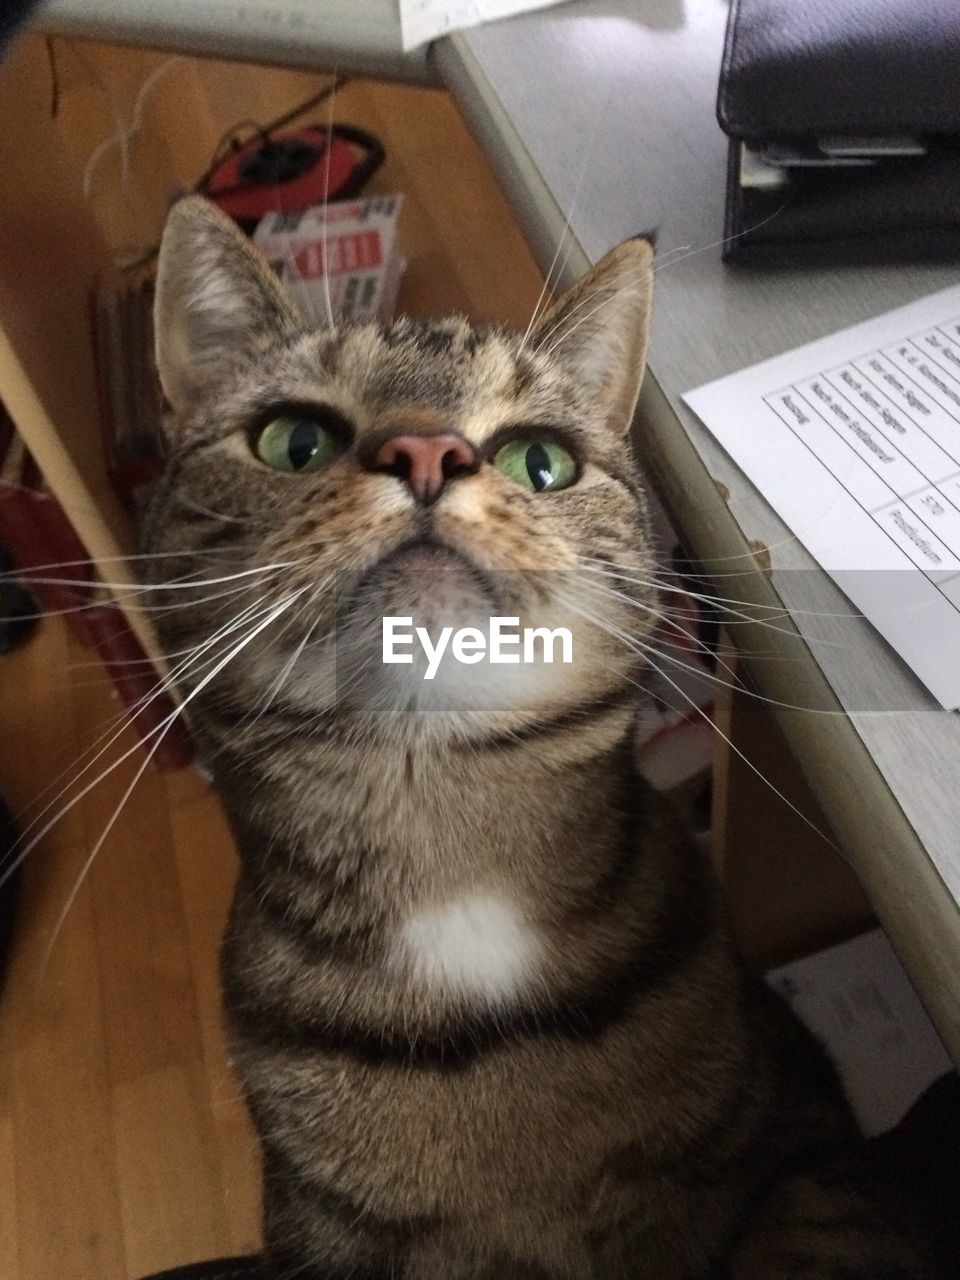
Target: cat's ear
x,y
217,301
599,329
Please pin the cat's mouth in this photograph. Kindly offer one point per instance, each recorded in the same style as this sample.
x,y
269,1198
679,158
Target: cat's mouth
x,y
420,575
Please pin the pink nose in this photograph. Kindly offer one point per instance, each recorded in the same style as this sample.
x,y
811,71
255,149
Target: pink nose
x,y
426,463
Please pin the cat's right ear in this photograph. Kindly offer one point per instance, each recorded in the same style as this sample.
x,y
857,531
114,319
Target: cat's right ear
x,y
217,301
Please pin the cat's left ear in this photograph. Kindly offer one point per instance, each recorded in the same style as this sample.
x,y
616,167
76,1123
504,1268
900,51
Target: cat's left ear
x,y
217,302
599,329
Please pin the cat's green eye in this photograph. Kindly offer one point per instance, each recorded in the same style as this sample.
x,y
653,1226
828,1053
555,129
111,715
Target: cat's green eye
x,y
537,464
292,443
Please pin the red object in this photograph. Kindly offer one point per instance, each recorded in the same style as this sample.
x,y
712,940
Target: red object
x,y
289,171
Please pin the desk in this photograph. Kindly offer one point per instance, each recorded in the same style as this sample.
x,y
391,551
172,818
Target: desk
x,y
627,89
360,37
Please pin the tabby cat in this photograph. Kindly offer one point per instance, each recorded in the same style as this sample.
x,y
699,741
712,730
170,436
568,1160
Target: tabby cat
x,y
478,986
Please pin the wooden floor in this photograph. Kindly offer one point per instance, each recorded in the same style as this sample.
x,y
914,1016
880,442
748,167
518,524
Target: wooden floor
x,y
124,1147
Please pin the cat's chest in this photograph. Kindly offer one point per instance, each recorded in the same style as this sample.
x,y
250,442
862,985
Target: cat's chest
x,y
427,875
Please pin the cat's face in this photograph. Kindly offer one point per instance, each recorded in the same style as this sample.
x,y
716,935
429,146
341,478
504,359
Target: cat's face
x,y
429,471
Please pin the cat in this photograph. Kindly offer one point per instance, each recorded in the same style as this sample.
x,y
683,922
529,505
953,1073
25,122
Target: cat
x,y
477,979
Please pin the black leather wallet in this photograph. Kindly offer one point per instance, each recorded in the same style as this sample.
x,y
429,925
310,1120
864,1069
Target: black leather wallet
x,y
857,105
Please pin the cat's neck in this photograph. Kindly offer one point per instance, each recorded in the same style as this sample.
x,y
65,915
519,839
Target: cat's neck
x,y
524,811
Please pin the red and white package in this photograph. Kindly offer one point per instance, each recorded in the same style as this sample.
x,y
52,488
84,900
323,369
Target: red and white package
x,y
348,247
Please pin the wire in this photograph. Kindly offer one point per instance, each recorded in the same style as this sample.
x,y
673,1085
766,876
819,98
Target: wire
x,y
54,78
265,130
227,141
126,132
230,142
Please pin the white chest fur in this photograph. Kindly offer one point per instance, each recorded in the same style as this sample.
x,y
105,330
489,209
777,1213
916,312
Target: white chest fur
x,y
477,945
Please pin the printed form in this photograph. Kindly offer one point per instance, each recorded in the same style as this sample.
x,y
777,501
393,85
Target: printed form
x,y
854,440
424,20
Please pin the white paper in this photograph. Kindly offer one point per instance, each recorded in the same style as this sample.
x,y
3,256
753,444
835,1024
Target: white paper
x,y
858,1001
424,20
854,440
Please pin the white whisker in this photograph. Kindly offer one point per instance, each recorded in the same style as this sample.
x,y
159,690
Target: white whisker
x,y
163,686
160,732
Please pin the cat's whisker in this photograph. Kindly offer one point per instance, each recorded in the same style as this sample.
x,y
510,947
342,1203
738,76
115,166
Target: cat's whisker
x,y
646,653
673,620
723,605
160,732
736,684
127,590
89,606
179,606
163,686
583,609
130,662
275,689
14,575
695,641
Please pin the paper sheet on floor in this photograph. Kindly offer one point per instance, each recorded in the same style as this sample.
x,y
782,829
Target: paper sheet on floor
x,y
854,440
425,20
858,1002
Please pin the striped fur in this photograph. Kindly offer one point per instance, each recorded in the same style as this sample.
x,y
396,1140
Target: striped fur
x,y
477,980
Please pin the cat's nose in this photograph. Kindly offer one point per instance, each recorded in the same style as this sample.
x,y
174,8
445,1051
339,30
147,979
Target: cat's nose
x,y
426,462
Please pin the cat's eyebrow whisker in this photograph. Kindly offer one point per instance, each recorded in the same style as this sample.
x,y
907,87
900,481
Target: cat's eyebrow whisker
x,y
683,252
714,244
193,505
564,234
160,732
326,192
608,295
565,331
604,292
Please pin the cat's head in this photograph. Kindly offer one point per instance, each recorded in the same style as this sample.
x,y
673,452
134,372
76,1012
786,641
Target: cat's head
x,y
321,479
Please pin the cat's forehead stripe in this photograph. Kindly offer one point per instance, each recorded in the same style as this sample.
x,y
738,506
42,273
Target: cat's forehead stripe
x,y
447,367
